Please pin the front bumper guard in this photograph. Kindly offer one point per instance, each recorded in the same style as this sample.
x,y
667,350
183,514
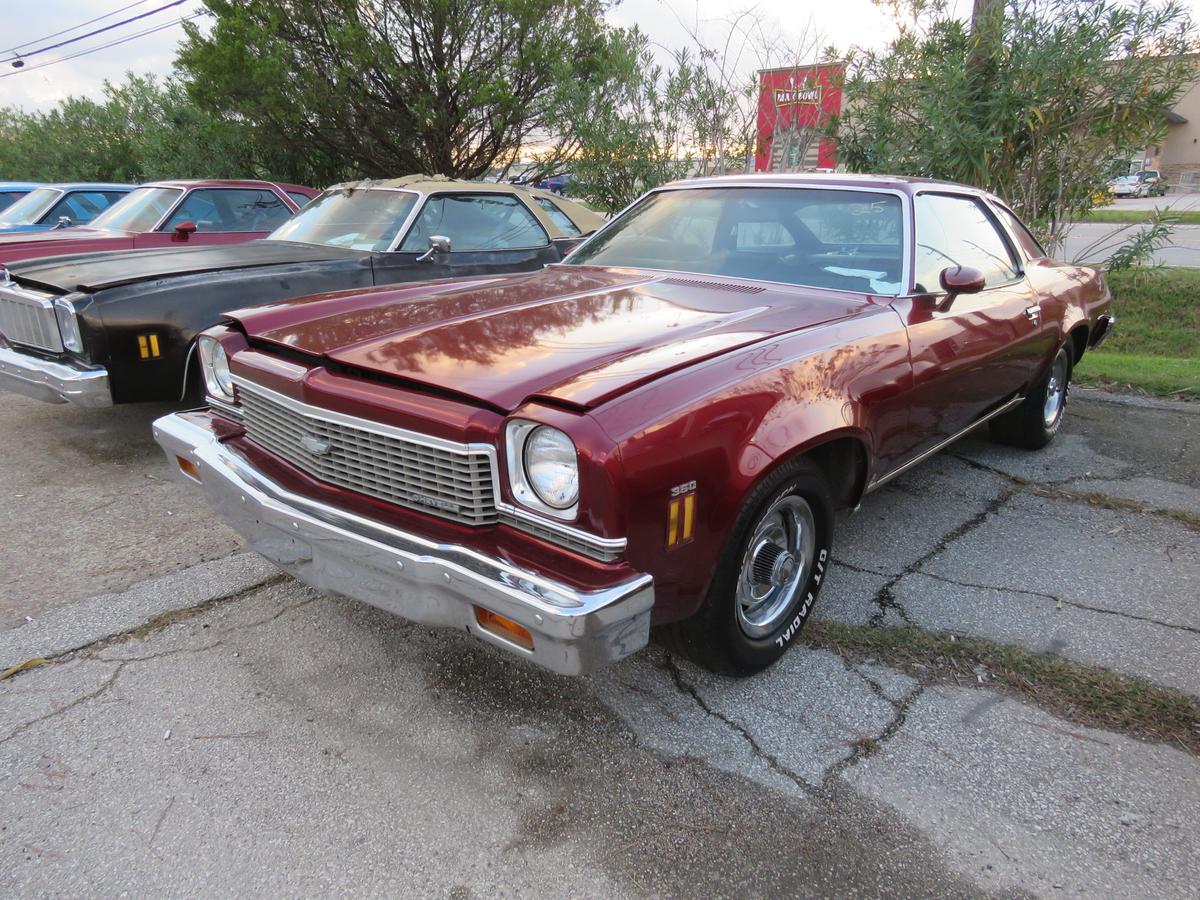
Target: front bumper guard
x,y
336,551
53,382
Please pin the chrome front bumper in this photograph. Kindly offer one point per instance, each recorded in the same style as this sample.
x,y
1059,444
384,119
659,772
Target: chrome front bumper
x,y
53,382
403,573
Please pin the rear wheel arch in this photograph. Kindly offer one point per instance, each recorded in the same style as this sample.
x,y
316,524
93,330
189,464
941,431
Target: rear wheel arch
x,y
1078,336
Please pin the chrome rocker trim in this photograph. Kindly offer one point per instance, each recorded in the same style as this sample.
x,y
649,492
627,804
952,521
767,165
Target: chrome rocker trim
x,y
53,382
408,575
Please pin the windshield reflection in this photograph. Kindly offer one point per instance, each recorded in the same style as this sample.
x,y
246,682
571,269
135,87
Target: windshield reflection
x,y
139,210
352,218
847,240
31,207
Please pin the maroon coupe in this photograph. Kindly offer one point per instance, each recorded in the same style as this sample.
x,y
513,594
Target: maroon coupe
x,y
656,431
170,214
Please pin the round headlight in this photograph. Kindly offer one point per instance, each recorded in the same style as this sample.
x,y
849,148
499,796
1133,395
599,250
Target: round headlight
x,y
215,363
551,467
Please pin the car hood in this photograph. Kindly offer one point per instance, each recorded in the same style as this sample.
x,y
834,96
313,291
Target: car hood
x,y
574,335
94,271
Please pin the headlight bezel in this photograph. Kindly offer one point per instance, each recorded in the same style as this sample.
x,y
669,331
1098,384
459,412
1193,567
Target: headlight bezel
x,y
68,325
214,367
518,436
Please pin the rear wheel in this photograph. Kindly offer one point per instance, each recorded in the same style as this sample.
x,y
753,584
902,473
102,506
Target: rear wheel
x,y
767,579
1036,421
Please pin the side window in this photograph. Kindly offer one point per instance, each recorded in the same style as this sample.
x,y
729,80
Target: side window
x,y
1024,236
476,222
557,216
230,209
79,206
302,200
956,231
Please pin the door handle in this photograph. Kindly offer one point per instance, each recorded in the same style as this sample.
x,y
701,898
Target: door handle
x,y
1033,314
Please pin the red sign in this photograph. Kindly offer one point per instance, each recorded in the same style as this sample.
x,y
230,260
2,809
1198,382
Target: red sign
x,y
793,105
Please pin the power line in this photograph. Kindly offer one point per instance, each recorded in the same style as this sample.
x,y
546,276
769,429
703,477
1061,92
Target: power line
x,y
20,56
123,40
47,37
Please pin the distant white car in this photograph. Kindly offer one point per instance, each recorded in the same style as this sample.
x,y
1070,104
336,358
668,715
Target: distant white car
x,y
1129,186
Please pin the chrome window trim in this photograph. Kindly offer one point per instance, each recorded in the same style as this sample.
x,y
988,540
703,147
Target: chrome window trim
x,y
610,546
907,247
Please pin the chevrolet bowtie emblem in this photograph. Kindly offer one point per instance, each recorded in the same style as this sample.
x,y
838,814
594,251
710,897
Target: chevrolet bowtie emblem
x,y
314,445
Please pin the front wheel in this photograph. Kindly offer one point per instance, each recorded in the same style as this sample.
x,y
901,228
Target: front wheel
x,y
767,578
1035,422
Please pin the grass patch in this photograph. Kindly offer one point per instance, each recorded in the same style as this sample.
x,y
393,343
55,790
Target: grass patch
x,y
1160,375
1094,697
1128,216
1155,347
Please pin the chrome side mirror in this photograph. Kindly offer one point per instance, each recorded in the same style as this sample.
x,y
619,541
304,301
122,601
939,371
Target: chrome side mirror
x,y
438,244
63,222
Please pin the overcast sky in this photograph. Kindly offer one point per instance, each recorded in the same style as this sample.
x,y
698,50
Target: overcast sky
x,y
669,23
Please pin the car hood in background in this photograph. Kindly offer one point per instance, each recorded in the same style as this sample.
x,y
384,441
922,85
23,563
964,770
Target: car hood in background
x,y
574,335
94,271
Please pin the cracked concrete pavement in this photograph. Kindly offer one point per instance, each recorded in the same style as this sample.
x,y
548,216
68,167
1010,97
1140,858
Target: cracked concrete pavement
x,y
202,725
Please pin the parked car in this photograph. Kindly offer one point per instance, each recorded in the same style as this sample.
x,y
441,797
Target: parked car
x,y
104,328
1156,185
656,431
52,206
12,191
1129,186
556,184
170,214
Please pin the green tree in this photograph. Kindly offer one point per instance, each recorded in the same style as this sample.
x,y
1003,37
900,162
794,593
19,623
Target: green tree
x,y
1031,100
140,130
382,88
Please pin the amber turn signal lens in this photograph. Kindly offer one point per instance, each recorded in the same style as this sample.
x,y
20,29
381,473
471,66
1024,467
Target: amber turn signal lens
x,y
505,628
188,468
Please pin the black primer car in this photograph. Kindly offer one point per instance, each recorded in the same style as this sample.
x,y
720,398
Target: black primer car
x,y
120,327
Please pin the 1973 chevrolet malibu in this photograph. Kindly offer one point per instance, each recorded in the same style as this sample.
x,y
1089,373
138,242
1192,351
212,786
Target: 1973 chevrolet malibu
x,y
656,431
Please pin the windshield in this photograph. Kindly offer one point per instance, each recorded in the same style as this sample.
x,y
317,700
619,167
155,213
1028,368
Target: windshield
x,y
351,217
842,239
1126,179
138,210
31,207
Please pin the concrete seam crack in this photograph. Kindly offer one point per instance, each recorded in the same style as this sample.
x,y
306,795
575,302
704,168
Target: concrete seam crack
x,y
67,707
174,616
772,762
1066,602
885,597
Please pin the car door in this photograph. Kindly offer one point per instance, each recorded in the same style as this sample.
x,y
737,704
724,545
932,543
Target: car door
x,y
221,216
490,233
980,351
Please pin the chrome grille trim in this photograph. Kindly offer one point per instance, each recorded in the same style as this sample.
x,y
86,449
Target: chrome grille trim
x,y
444,478
27,317
467,465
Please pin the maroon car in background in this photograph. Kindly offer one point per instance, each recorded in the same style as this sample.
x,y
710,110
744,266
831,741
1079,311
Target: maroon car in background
x,y
170,213
656,431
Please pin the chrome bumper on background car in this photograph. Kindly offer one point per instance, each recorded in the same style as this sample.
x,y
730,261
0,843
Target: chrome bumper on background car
x,y
53,382
569,631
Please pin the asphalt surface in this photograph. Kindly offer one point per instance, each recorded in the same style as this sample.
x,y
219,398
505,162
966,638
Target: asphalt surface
x,y
1095,242
205,726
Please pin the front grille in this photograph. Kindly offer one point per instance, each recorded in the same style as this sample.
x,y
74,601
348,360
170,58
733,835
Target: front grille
x,y
433,476
27,317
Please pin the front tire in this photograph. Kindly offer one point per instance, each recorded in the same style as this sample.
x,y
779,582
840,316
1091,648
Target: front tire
x,y
767,579
1035,422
